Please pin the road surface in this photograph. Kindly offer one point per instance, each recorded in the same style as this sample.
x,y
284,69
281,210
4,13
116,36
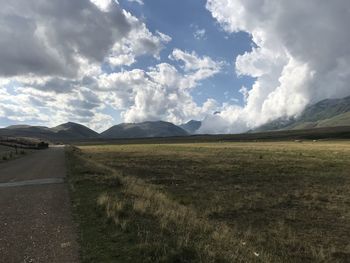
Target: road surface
x,y
35,217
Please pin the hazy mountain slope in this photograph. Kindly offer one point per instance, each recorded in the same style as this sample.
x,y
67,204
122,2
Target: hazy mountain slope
x,y
278,124
323,110
342,119
192,126
326,113
144,129
339,120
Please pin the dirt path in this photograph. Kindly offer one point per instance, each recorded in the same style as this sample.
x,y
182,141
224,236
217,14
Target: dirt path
x,y
35,218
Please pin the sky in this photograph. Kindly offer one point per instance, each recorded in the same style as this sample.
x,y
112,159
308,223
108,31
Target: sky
x,y
233,64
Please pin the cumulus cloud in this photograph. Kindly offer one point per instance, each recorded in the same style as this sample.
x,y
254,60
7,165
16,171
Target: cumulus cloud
x,y
140,41
193,62
302,56
161,92
48,38
52,53
54,38
46,107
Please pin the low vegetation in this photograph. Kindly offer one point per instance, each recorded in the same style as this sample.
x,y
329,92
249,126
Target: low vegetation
x,y
8,153
212,202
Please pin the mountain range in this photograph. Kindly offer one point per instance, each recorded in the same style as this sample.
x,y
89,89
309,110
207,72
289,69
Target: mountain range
x,y
144,130
69,130
75,131
326,113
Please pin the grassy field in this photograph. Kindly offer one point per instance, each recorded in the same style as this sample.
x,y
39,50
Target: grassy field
x,y
213,202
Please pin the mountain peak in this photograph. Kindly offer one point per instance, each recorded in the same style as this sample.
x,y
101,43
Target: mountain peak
x,y
74,130
69,124
192,126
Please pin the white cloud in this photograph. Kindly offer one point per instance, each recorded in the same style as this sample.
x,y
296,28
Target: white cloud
x,y
52,38
51,55
140,41
67,38
193,62
161,92
200,34
104,5
303,56
140,2
27,104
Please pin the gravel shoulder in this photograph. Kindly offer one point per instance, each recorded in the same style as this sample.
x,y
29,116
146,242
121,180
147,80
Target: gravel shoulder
x,y
35,219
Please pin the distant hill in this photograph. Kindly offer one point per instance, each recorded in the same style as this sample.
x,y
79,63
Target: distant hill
x,y
326,113
192,126
66,131
74,131
27,131
144,130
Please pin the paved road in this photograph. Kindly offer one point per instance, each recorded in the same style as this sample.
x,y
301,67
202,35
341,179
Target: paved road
x,y
35,217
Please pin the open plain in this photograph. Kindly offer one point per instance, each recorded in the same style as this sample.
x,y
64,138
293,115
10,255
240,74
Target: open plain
x,y
212,202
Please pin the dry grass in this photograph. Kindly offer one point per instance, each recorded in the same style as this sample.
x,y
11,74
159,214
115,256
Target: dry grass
x,y
230,202
210,242
8,153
